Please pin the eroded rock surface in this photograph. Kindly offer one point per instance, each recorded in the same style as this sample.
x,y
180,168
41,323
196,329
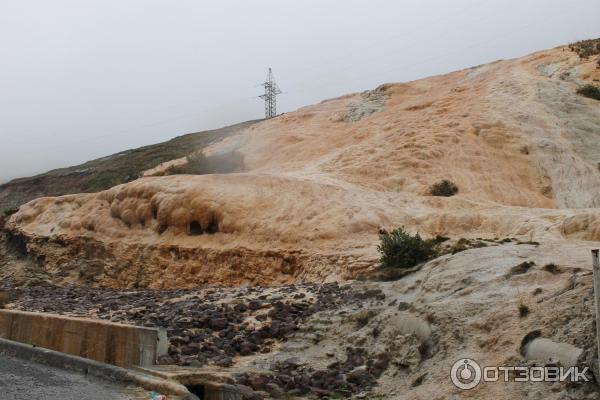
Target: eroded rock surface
x,y
514,136
392,340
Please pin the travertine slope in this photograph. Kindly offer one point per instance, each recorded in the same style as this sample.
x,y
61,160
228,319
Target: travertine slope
x,y
321,182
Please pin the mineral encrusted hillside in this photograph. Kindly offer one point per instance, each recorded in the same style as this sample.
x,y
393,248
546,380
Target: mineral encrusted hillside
x,y
318,184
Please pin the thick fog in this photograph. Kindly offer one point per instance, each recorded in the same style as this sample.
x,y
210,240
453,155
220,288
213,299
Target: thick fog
x,y
84,79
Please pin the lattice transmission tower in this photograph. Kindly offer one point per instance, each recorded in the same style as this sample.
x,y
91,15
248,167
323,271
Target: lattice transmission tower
x,y
270,96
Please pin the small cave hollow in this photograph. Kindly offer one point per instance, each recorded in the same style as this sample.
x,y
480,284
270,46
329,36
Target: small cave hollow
x,y
213,225
195,228
197,390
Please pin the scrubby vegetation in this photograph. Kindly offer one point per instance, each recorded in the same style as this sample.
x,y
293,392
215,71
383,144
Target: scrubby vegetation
x,y
586,48
444,188
399,249
591,91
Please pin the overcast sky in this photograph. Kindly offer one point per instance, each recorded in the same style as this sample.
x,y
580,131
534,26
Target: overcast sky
x,y
81,79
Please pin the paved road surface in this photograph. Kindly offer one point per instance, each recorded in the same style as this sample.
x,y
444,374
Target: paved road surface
x,y
24,380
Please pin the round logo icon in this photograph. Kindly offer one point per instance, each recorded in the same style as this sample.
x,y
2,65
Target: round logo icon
x,y
465,374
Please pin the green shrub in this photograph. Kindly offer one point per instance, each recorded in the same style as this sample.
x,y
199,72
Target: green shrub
x,y
444,188
399,249
590,91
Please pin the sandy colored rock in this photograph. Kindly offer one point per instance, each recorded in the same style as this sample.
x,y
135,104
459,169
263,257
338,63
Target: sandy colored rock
x,y
514,136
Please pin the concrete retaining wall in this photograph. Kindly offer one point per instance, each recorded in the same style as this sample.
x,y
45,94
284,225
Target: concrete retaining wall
x,y
107,342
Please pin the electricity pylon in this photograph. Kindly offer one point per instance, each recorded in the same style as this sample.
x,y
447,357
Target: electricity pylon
x,y
270,96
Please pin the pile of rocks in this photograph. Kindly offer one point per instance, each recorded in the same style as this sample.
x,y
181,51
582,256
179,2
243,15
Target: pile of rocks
x,y
215,325
358,373
207,325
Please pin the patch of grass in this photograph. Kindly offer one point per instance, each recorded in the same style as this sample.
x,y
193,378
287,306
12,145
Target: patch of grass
x,y
591,91
399,249
443,188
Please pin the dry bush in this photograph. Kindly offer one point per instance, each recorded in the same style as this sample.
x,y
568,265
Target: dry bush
x,y
444,188
586,48
399,249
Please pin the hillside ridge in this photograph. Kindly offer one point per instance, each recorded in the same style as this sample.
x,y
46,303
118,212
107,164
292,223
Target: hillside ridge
x,y
108,171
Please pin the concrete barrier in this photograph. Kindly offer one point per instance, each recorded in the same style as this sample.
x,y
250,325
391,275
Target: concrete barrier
x,y
107,342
